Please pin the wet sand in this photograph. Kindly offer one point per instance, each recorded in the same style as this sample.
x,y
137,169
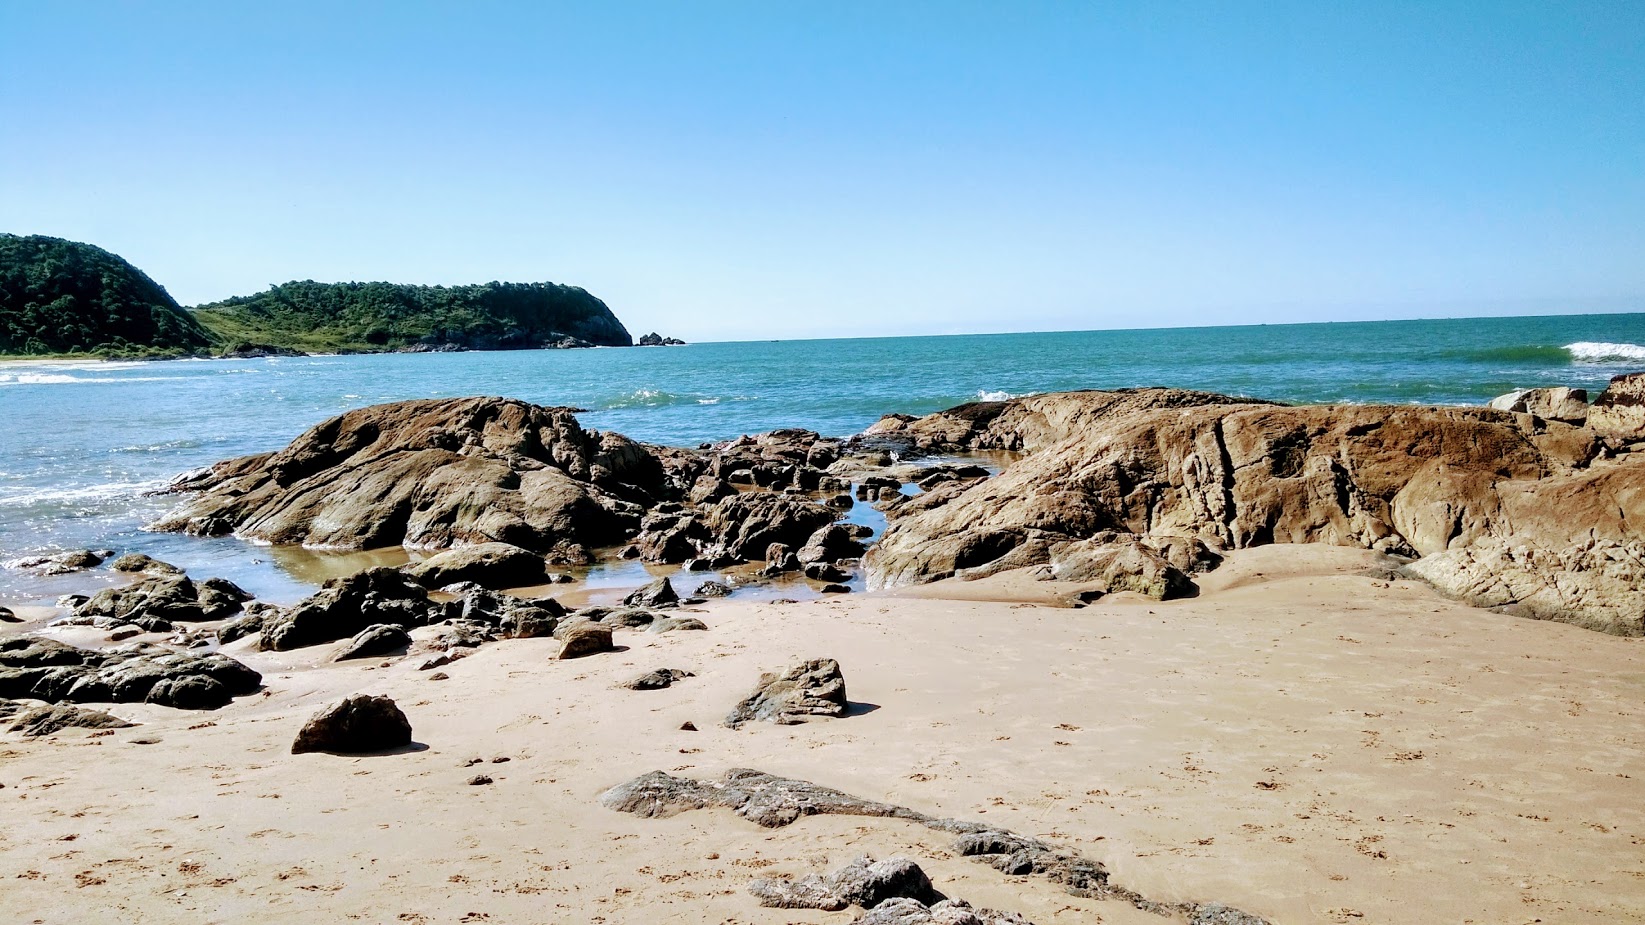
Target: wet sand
x,y
1300,741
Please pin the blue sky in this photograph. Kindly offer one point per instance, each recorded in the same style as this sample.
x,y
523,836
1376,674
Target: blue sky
x,y
774,169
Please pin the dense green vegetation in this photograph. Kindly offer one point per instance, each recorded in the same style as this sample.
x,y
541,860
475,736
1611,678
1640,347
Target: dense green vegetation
x,y
62,297
385,316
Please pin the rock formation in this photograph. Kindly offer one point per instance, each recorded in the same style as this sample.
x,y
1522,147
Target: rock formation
x,y
813,688
863,882
358,725
44,669
1161,470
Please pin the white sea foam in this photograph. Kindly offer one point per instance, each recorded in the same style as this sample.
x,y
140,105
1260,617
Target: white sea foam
x,y
62,378
987,395
107,491
1590,351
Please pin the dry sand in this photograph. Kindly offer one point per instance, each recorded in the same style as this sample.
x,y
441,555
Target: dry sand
x,y
1301,742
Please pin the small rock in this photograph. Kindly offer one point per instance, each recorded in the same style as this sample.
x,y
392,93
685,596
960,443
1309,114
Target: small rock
x,y
688,726
47,720
656,594
479,780
863,882
125,631
8,616
585,639
381,639
656,680
139,562
836,589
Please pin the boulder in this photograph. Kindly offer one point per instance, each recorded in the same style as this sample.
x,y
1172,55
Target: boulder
x,y
671,624
511,616
822,571
44,669
626,617
656,680
1120,562
7,616
379,639
1619,411
493,565
831,544
713,589
745,525
585,639
358,725
141,562
345,606
62,563
43,721
812,688
657,594
1556,404
438,473
863,882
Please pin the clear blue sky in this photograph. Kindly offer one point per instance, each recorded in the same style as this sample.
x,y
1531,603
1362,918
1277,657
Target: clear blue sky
x,y
788,169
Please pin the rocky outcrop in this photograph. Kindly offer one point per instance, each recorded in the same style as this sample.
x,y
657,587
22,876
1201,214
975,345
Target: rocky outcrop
x,y
1619,411
346,606
1569,406
360,724
435,474
1160,470
813,688
657,340
494,565
659,593
61,563
900,911
863,882
773,802
157,602
1597,584
245,350
44,669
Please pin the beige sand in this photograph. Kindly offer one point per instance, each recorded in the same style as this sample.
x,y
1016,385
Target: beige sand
x,y
1303,743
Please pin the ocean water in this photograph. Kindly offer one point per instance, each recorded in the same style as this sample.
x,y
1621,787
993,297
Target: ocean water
x,y
82,444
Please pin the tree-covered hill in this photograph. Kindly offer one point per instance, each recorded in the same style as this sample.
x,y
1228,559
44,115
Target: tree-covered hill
x,y
385,316
60,296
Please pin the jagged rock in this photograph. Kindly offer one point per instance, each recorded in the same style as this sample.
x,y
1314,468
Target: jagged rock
x,y
1556,404
585,639
657,594
863,882
511,616
44,669
812,688
359,724
1619,411
656,680
657,340
1218,914
745,525
492,565
1596,584
156,602
380,639
713,589
345,606
141,562
62,563
899,911
671,624
240,627
43,721
246,350
438,473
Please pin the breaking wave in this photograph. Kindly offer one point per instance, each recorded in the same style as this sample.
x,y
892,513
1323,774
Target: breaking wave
x,y
1592,351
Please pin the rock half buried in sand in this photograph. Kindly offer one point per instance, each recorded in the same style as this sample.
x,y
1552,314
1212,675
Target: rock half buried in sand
x,y
45,669
360,724
813,688
1596,585
42,721
381,639
656,680
863,882
584,639
899,911
156,602
494,565
671,624
656,594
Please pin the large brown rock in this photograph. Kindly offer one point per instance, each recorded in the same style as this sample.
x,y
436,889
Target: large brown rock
x,y
438,473
1226,474
1555,404
494,565
358,725
1619,411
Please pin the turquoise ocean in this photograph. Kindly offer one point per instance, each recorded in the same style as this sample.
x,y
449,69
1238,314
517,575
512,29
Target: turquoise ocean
x,y
84,444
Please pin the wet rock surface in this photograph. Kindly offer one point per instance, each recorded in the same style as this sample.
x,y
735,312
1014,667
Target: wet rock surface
x,y
493,565
359,724
812,688
157,602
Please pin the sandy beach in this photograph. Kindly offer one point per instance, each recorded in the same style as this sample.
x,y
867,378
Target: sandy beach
x,y
1301,741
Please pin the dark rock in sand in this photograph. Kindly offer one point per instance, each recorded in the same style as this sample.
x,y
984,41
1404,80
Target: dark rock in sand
x,y
346,606
511,616
249,624
626,617
813,688
656,680
656,594
835,589
43,721
7,616
671,624
899,911
44,669
358,725
125,631
381,639
585,639
140,562
492,565
863,882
